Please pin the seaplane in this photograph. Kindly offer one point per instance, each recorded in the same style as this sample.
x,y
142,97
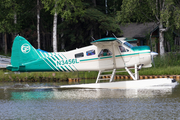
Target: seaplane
x,y
104,55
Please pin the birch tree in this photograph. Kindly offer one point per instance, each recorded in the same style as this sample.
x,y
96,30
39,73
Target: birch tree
x,y
164,13
64,8
55,29
38,18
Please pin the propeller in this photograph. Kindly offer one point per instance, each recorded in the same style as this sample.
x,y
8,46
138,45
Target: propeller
x,y
152,57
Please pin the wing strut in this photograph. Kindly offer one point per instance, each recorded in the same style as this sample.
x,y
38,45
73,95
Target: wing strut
x,y
135,76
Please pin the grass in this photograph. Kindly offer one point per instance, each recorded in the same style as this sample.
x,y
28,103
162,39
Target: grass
x,y
170,70
43,76
63,76
168,60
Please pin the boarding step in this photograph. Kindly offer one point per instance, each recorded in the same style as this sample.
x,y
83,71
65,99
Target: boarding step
x,y
104,79
106,75
99,77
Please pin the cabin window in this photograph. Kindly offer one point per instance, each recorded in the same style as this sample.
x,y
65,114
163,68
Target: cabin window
x,y
122,49
78,55
128,44
90,52
105,52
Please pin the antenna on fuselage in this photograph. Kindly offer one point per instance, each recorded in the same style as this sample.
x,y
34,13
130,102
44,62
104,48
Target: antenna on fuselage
x,y
92,38
114,35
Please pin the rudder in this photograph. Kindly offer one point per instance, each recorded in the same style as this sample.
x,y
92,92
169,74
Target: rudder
x,y
22,52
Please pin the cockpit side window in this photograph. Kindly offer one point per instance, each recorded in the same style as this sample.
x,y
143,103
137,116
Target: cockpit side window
x,y
105,52
90,52
128,44
122,49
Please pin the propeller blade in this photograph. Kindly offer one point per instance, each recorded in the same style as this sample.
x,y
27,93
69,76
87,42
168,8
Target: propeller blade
x,y
152,57
154,53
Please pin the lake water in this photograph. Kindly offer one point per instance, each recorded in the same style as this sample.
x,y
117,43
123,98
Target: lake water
x,y
45,101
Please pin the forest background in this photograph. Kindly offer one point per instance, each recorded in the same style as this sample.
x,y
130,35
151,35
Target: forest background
x,y
59,25
75,21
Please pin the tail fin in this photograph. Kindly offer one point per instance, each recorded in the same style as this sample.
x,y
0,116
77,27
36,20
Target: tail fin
x,y
22,52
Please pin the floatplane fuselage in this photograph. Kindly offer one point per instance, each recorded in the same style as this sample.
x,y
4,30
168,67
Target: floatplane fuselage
x,y
103,55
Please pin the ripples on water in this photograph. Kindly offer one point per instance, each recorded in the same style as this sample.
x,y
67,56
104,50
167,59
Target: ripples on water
x,y
47,101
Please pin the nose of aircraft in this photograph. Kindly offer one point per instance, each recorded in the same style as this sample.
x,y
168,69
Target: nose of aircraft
x,y
152,57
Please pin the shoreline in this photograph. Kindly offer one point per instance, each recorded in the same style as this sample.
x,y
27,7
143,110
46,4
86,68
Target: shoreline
x,y
8,76
116,78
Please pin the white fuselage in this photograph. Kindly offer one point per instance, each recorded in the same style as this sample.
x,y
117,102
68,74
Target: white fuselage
x,y
90,58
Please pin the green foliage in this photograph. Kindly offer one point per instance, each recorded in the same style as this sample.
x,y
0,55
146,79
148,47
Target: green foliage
x,y
6,15
168,60
134,11
176,16
170,70
92,23
159,11
105,22
78,20
65,8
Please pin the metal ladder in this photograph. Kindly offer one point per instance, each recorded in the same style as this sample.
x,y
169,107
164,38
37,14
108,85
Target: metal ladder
x,y
100,75
135,76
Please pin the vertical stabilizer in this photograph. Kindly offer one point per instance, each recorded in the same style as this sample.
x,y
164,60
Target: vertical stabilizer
x,y
22,52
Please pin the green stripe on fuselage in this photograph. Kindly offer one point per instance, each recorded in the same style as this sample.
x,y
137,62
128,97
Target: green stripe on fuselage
x,y
64,56
115,56
105,57
74,67
56,57
126,54
88,59
71,67
96,58
60,56
53,58
51,63
132,54
67,68
63,68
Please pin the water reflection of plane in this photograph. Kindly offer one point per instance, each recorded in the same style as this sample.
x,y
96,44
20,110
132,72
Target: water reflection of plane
x,y
68,94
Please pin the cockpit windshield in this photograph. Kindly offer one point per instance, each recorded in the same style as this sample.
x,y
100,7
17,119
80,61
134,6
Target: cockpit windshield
x,y
128,44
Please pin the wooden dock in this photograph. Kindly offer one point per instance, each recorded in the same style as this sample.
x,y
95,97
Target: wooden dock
x,y
127,77
4,61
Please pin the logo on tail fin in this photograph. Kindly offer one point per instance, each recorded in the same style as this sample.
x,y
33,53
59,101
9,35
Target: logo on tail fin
x,y
25,48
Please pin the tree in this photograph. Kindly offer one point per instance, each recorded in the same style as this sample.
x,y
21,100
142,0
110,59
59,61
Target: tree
x,y
92,23
76,22
7,16
164,13
65,8
55,29
78,34
38,18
